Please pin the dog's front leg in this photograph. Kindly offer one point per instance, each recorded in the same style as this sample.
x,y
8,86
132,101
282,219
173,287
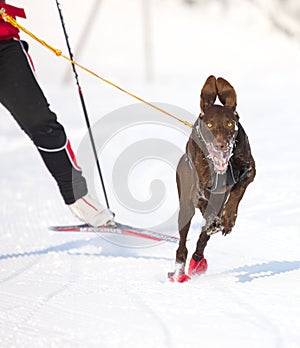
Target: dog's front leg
x,y
229,213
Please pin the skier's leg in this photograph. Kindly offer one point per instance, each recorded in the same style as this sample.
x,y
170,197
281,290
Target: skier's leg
x,y
22,96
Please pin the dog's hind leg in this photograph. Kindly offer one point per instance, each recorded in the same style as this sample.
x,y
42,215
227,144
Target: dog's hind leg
x,y
202,242
185,178
184,222
198,263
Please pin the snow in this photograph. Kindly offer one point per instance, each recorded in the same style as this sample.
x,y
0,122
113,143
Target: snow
x,y
96,291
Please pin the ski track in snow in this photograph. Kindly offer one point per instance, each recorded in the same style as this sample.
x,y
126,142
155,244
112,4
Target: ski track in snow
x,y
77,290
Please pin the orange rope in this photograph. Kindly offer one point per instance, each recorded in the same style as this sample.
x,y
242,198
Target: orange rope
x,y
59,53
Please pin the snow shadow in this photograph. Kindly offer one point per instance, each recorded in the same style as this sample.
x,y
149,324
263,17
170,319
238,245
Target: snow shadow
x,y
73,248
64,247
249,273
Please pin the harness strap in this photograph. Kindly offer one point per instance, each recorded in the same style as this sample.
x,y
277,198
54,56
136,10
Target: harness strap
x,y
221,181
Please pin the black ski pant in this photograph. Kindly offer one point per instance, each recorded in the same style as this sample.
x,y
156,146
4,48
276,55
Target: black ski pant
x,y
24,99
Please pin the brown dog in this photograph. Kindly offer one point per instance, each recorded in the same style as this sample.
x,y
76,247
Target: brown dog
x,y
213,174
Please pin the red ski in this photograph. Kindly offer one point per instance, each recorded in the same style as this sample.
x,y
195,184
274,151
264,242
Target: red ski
x,y
117,228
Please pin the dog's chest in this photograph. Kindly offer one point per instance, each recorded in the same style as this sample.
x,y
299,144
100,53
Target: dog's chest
x,y
222,183
210,182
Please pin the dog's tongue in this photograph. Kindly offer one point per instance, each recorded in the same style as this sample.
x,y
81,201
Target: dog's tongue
x,y
220,159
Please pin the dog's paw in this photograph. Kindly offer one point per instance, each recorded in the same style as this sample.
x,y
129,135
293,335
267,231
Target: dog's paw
x,y
214,226
198,265
228,221
226,232
178,278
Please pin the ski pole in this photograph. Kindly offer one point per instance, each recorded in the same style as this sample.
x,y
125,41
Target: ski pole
x,y
82,102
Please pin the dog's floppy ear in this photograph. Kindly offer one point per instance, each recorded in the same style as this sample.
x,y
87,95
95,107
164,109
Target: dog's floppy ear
x,y
208,93
226,93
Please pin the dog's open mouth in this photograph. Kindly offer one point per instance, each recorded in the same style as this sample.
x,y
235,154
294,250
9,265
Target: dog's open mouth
x,y
220,158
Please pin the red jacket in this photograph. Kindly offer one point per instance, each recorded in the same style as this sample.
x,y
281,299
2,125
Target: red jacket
x,y
7,31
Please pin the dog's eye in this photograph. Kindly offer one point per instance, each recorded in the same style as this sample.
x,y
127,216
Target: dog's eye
x,y
229,124
209,125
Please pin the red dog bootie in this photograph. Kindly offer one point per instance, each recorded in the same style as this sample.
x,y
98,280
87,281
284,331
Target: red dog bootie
x,y
198,265
179,275
179,278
